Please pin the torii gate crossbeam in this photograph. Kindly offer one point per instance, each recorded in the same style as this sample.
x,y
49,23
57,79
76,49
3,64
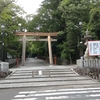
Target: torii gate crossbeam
x,y
24,34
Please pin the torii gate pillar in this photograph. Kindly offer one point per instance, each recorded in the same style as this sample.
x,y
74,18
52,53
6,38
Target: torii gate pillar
x,y
24,34
50,50
23,50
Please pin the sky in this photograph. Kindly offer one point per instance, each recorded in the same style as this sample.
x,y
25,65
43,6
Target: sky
x,y
30,6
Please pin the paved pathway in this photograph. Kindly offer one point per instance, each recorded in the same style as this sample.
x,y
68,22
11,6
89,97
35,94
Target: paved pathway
x,y
44,82
38,73
60,94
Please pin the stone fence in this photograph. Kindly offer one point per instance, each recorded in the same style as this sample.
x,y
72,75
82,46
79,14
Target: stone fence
x,y
92,63
4,67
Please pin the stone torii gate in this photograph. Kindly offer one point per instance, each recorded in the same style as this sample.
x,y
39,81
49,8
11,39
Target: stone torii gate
x,y
37,34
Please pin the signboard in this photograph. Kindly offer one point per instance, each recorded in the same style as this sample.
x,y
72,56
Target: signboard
x,y
94,48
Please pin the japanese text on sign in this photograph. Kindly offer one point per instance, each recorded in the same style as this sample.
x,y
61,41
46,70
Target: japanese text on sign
x,y
94,48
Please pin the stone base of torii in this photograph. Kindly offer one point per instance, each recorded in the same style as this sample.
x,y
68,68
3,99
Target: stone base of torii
x,y
24,39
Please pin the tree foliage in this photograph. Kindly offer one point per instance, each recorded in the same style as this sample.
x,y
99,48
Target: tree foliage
x,y
48,19
94,18
9,17
62,16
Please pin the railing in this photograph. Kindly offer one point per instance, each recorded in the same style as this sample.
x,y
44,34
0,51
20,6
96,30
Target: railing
x,y
92,63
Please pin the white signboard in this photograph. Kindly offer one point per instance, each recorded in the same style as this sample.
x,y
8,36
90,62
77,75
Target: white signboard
x,y
94,48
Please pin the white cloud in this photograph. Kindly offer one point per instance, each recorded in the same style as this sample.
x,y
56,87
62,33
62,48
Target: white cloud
x,y
30,6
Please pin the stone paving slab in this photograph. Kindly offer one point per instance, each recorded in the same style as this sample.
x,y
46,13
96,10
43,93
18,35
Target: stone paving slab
x,y
57,82
45,80
30,76
72,80
48,84
66,71
53,67
60,94
60,76
31,72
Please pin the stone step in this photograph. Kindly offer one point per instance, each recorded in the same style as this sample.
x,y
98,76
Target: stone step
x,y
46,73
50,84
70,79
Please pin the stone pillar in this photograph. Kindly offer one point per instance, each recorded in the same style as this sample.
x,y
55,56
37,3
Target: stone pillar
x,y
23,50
50,50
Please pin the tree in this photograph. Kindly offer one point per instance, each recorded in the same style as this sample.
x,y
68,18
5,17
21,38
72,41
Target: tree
x,y
73,12
61,16
48,19
9,17
94,25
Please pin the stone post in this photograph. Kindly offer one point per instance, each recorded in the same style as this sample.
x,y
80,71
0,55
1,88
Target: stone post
x,y
23,50
50,50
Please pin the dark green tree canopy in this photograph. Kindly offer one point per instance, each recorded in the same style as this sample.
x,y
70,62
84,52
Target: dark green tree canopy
x,y
9,18
62,16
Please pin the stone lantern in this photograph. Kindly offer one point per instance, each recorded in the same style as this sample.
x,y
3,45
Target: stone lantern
x,y
87,38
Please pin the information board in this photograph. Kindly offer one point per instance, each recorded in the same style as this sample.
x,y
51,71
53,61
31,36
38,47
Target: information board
x,y
94,48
